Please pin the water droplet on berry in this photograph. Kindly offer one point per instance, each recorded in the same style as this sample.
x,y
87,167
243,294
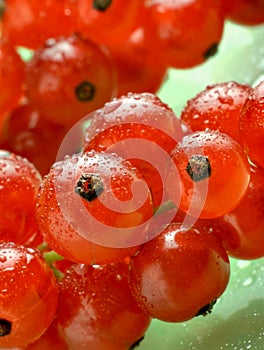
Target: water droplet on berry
x,y
111,107
57,170
4,154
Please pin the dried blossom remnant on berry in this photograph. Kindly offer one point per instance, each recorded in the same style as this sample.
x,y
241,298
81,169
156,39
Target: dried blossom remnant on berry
x,y
137,343
101,5
211,51
85,91
199,168
89,187
5,327
207,309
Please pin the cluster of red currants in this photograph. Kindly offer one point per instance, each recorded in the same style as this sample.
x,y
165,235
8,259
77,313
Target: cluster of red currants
x,y
139,224
135,218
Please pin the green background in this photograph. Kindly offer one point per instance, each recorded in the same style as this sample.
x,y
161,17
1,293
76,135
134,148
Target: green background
x,y
237,320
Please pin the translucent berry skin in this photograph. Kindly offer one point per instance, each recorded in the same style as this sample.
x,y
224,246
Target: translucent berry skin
x,y
217,107
98,230
179,272
96,309
141,128
226,178
252,123
68,78
241,230
176,22
19,181
29,294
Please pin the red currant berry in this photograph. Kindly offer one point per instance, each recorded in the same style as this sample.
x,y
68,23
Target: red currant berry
x,y
29,295
68,78
19,183
189,31
214,173
217,107
94,208
179,274
96,309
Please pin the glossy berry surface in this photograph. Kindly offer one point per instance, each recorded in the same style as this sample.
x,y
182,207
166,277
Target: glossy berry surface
x,y
29,295
68,78
252,123
19,183
179,274
217,107
96,309
214,173
94,208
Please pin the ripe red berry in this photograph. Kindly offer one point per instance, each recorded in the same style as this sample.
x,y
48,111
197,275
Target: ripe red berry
x,y
179,274
94,208
214,173
28,295
189,31
68,78
19,183
217,107
96,309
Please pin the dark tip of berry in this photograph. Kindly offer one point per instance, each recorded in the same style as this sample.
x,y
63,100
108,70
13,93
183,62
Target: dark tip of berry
x,y
85,91
136,344
207,309
199,168
89,187
101,5
2,8
5,327
211,51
